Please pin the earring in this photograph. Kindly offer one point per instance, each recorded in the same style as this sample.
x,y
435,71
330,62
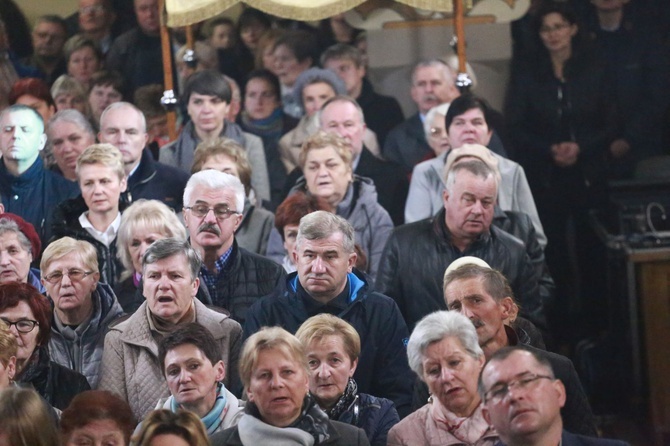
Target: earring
x,y
430,399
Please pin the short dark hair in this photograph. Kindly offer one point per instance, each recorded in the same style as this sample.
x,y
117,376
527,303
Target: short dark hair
x,y
342,51
193,334
106,78
506,352
301,43
207,82
55,19
464,103
269,77
250,16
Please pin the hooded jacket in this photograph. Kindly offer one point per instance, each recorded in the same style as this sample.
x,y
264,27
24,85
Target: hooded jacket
x,y
382,367
81,349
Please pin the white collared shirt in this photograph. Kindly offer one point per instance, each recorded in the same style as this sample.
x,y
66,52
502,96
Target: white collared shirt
x,y
105,237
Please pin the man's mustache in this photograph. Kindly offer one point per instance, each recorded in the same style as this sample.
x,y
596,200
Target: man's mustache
x,y
209,227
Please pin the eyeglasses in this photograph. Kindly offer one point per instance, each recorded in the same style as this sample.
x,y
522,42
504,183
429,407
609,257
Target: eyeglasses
x,y
437,133
75,275
500,391
221,212
22,325
551,29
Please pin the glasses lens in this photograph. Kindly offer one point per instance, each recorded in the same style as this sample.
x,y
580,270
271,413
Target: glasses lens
x,y
200,210
25,326
75,274
54,277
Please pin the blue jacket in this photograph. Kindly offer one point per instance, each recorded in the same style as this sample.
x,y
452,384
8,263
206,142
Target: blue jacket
x,y
156,181
34,280
34,195
376,416
382,366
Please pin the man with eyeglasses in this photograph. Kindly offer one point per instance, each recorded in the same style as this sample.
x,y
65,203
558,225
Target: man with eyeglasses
x,y
523,399
96,18
234,277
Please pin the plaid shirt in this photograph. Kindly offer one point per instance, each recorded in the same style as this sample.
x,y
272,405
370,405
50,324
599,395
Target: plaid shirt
x,y
211,279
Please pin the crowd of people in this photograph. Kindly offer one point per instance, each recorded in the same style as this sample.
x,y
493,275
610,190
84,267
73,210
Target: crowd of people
x,y
304,265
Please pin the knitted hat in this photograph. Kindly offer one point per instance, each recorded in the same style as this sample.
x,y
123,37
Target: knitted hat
x,y
28,230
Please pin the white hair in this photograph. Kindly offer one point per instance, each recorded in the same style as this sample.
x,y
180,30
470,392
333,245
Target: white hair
x,y
213,179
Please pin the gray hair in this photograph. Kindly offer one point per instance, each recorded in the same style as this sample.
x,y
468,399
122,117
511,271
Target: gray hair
x,y
322,224
314,76
20,107
447,71
213,179
436,327
437,110
73,117
476,167
7,225
145,214
169,247
117,105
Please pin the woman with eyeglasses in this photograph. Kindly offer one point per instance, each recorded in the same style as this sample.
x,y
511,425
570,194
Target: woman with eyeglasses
x,y
28,315
83,306
444,352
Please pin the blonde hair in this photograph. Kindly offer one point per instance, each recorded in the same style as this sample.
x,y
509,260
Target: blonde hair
x,y
183,423
145,214
105,154
229,148
26,420
66,245
8,344
270,338
322,140
318,327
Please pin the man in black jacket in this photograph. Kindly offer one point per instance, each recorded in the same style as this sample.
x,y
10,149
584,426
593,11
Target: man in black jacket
x,y
235,277
123,125
382,112
343,115
416,255
327,283
483,295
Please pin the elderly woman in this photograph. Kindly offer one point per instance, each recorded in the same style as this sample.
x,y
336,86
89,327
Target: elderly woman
x,y
142,223
164,427
333,347
130,366
444,352
279,409
26,419
83,58
69,93
70,133
326,162
19,246
194,371
83,306
227,156
97,417
95,216
28,315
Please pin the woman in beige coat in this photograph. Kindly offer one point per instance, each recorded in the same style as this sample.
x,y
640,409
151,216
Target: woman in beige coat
x,y
130,366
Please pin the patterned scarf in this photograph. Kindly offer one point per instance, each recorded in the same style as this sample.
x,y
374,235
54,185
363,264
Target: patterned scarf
x,y
312,419
467,429
270,127
345,401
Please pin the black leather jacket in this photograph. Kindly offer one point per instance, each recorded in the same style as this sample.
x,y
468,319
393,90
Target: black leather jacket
x,y
417,254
